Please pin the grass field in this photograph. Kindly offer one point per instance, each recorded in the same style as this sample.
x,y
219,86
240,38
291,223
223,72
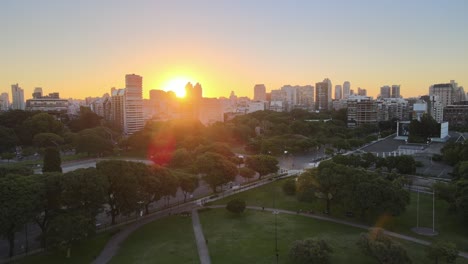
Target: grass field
x,y
169,240
83,252
250,238
449,226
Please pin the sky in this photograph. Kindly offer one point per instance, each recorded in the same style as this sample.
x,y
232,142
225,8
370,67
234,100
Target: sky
x,y
83,48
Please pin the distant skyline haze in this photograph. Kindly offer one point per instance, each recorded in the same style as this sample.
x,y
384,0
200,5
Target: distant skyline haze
x,y
83,48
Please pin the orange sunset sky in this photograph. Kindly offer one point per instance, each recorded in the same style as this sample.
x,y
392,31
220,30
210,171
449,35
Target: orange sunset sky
x,y
83,48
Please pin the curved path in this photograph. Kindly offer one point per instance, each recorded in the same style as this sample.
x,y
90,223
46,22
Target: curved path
x,y
113,245
343,222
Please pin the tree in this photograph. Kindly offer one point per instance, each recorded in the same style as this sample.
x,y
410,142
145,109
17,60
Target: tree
x,y
181,159
188,183
217,170
84,191
68,227
49,201
330,180
149,182
40,123
289,187
7,156
263,164
52,161
310,251
47,140
247,173
382,248
122,187
92,142
442,251
8,139
19,199
236,206
87,119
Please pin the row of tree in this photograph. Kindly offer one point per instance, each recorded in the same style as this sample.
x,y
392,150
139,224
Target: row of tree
x,y
400,164
375,244
364,192
456,192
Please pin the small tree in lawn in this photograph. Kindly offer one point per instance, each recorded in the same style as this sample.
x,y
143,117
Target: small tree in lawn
x,y
236,206
382,248
310,251
52,161
442,252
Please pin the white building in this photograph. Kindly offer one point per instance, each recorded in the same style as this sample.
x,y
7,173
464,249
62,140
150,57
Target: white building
x,y
17,95
338,92
346,89
133,115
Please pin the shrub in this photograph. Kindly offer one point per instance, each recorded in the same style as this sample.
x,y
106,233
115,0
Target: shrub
x,y
236,206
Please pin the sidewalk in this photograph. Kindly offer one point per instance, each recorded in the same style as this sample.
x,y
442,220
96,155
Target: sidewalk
x,y
200,239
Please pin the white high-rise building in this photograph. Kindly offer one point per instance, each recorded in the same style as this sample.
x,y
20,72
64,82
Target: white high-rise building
x,y
133,104
346,90
259,92
18,97
338,92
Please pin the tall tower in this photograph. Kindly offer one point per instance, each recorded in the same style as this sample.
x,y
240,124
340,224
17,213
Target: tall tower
x,y
321,96
338,92
346,89
18,97
330,89
259,92
395,91
385,91
133,104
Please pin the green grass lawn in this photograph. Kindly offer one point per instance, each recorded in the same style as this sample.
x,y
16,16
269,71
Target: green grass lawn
x,y
449,226
83,252
250,238
168,240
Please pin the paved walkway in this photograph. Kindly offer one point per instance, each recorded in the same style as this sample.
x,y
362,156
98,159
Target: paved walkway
x,y
113,245
200,239
343,222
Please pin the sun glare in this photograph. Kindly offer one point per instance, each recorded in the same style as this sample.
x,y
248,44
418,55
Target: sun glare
x,y
177,85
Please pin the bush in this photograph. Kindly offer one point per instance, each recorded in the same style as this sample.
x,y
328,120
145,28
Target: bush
x,y
289,187
236,206
310,251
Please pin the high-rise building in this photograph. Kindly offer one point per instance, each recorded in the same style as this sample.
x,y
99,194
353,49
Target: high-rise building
x,y
362,92
133,116
434,107
321,95
396,91
5,102
338,92
346,89
118,108
18,97
259,92
385,92
51,104
330,90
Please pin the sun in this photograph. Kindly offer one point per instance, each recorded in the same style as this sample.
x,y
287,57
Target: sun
x,y
177,85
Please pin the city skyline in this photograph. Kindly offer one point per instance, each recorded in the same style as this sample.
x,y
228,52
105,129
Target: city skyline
x,y
79,51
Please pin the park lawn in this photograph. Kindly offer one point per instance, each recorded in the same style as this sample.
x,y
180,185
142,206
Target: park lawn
x,y
83,252
168,240
250,237
449,225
